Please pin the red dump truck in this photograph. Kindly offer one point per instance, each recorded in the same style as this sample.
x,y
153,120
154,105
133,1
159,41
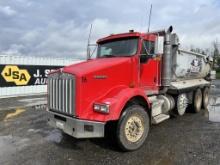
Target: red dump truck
x,y
137,79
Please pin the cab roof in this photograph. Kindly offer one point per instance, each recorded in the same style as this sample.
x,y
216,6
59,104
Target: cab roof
x,y
147,36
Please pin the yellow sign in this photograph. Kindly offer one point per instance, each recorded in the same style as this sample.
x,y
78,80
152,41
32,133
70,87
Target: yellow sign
x,y
12,73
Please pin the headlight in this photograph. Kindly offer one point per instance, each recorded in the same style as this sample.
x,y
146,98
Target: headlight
x,y
103,108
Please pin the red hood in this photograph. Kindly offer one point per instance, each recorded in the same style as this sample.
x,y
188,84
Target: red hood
x,y
94,65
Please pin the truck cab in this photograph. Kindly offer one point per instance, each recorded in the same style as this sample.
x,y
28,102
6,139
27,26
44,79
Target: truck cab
x,y
140,49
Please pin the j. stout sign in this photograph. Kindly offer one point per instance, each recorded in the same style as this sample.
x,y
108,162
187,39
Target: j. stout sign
x,y
24,75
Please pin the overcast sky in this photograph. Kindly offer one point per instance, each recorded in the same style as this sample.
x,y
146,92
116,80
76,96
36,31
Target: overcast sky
x,y
60,28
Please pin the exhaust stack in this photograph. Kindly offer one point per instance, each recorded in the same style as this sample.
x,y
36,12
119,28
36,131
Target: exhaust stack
x,y
167,59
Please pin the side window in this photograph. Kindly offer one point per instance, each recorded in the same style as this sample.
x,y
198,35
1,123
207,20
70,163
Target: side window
x,y
149,46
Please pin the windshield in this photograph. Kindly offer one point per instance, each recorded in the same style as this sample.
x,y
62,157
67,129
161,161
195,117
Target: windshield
x,y
115,48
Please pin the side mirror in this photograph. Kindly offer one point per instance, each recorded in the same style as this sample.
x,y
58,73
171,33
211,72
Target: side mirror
x,y
159,45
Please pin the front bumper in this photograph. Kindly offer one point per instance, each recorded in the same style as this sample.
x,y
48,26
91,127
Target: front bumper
x,y
76,127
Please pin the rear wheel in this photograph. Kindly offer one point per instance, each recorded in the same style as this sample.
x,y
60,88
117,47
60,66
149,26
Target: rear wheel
x,y
197,100
133,128
205,97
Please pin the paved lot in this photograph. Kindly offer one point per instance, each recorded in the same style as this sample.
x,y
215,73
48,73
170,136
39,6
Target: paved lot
x,y
25,138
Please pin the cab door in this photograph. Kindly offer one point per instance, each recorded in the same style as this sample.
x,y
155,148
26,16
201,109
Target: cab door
x,y
149,68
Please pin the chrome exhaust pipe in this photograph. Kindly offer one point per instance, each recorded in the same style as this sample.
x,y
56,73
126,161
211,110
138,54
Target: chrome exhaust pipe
x,y
167,59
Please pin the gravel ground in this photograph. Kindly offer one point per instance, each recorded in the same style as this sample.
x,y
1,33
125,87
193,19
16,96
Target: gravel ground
x,y
25,138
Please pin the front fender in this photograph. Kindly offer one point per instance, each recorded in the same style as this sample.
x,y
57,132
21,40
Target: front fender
x,y
117,99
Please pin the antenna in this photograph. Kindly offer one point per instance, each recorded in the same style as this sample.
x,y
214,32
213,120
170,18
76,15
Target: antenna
x,y
88,44
149,21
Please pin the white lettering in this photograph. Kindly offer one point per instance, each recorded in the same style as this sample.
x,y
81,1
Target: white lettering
x,y
37,73
41,81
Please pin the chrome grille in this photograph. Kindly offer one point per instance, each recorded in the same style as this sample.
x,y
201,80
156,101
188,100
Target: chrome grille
x,y
61,93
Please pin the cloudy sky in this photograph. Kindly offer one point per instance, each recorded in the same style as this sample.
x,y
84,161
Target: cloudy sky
x,y
60,27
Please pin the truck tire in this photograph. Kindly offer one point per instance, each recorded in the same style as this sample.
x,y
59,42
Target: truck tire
x,y
197,101
133,128
205,97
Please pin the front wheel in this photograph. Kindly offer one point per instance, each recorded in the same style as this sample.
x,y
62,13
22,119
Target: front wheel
x,y
133,128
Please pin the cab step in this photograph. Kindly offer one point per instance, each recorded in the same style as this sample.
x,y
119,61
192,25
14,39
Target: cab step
x,y
159,118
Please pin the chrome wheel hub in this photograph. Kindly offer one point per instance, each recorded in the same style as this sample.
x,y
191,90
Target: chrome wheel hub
x,y
182,103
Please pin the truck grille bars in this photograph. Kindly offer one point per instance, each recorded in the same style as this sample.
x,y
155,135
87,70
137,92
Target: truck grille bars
x,y
61,93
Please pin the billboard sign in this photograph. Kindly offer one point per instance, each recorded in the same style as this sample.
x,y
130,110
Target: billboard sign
x,y
24,75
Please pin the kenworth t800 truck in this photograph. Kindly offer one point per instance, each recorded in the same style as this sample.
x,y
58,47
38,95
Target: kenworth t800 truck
x,y
137,79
